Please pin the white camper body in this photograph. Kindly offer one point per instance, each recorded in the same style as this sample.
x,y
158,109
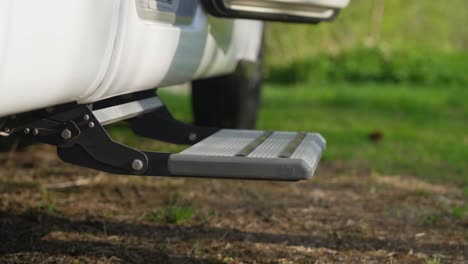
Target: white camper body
x,y
55,51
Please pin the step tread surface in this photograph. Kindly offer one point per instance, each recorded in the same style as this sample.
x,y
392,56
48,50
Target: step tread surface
x,y
226,142
219,155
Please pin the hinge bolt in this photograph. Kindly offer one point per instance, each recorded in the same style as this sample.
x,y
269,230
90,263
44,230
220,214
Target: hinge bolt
x,y
91,124
27,130
86,117
66,134
35,131
137,165
192,136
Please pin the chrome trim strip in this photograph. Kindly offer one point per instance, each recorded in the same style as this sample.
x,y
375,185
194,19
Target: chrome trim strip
x,y
121,112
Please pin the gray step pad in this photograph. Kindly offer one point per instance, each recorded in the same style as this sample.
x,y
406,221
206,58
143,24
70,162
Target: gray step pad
x,y
251,154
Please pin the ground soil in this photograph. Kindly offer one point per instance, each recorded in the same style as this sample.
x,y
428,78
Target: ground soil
x,y
343,215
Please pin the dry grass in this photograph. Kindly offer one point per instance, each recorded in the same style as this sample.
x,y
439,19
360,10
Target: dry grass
x,y
335,218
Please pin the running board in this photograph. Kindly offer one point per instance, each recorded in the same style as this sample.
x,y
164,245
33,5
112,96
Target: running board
x,y
78,133
251,154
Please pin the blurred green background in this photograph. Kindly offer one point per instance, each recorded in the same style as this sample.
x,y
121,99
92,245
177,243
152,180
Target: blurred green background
x,y
397,40
386,84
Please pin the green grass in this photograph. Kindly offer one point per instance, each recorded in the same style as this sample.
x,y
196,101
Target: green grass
x,y
49,202
400,24
175,210
459,211
431,219
435,260
359,65
415,52
425,129
172,214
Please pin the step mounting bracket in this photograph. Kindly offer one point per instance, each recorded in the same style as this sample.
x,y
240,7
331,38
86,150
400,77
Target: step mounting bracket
x,y
82,140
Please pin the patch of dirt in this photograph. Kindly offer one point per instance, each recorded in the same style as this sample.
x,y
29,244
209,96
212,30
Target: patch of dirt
x,y
341,216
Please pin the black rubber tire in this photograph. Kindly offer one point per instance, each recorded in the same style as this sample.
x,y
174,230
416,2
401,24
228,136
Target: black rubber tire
x,y
230,101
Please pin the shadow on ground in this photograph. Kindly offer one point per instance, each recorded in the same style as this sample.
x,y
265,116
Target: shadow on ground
x,y
337,217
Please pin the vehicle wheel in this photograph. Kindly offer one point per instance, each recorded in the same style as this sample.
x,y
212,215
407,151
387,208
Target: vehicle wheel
x,y
230,101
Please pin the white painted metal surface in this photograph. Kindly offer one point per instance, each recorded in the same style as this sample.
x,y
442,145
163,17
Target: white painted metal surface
x,y
53,51
58,51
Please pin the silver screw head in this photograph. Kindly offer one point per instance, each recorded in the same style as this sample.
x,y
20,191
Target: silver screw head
x,y
192,136
86,117
91,124
137,165
66,134
35,131
27,131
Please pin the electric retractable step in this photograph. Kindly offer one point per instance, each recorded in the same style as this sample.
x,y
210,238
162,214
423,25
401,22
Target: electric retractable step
x,y
251,154
78,133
